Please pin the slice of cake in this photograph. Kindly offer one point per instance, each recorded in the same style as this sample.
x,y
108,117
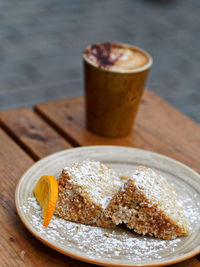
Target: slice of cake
x,y
148,204
84,191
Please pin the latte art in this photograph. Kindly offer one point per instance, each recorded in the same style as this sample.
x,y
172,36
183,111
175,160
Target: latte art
x,y
116,56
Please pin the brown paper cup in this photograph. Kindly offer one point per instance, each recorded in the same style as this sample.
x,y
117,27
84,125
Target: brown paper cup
x,y
113,97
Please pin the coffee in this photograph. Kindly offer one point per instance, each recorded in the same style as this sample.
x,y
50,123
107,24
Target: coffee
x,y
115,76
116,57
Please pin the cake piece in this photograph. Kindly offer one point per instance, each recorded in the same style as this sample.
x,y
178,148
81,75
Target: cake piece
x,y
148,204
84,191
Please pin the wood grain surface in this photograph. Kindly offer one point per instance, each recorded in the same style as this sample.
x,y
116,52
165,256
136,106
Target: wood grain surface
x,y
26,136
32,133
17,246
159,127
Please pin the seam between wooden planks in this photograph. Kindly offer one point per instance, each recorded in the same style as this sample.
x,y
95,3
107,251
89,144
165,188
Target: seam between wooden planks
x,y
59,130
198,257
14,138
11,134
51,138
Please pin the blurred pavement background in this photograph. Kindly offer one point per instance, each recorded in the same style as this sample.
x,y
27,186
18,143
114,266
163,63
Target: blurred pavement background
x,y
41,43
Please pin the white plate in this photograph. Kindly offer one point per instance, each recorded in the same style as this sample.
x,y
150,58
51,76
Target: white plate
x,y
122,247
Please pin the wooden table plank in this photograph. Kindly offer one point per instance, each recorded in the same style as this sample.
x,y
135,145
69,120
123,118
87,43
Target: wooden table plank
x,y
69,118
32,133
17,246
13,163
159,128
178,131
189,263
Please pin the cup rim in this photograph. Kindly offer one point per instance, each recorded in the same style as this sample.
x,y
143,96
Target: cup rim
x,y
140,69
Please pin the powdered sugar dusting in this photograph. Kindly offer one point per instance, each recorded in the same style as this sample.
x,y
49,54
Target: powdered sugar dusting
x,y
158,191
98,180
116,244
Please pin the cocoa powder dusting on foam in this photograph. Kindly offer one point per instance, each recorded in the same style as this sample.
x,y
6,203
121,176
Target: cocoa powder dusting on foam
x,y
102,53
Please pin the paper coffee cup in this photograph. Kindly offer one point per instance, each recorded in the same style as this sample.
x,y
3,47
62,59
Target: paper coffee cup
x,y
114,75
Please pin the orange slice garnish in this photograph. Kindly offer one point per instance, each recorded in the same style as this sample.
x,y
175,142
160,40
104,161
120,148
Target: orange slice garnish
x,y
46,193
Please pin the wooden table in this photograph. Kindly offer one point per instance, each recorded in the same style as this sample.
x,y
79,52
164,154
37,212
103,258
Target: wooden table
x,y
28,135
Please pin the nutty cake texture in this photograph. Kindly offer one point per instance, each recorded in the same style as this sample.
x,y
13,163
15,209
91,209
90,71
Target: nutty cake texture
x,y
92,193
148,204
84,191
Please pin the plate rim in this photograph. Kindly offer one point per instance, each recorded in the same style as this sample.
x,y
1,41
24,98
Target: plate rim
x,y
99,261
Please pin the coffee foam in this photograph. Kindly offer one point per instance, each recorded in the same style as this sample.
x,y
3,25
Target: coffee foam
x,y
117,57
